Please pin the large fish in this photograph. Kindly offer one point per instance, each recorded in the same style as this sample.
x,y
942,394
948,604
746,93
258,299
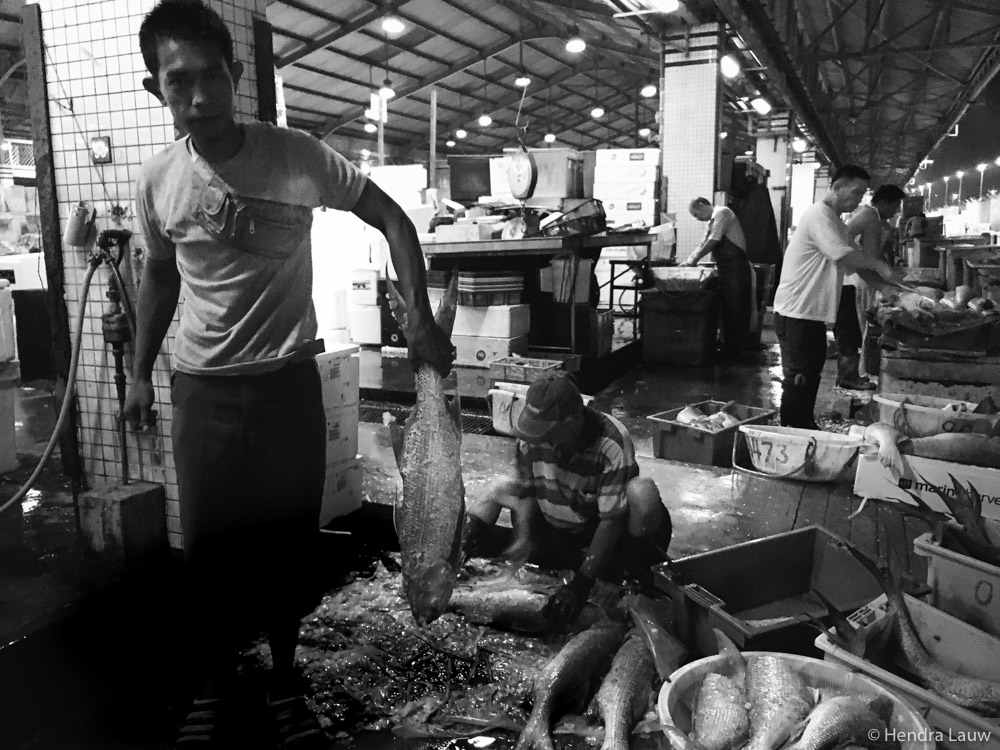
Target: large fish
x,y
845,719
568,679
668,652
515,608
779,700
975,694
430,514
624,694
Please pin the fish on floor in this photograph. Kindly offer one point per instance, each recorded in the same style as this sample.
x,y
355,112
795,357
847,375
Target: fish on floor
x,y
624,693
515,608
429,514
568,679
668,652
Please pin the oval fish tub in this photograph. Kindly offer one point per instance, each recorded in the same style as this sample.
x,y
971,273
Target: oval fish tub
x,y
793,453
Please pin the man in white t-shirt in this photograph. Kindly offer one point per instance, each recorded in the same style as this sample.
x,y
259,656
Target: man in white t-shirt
x,y
808,294
869,227
724,239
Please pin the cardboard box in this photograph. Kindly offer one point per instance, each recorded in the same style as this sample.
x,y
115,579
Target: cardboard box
x,y
627,211
616,192
467,232
480,351
364,287
608,157
497,321
341,491
920,476
341,434
339,374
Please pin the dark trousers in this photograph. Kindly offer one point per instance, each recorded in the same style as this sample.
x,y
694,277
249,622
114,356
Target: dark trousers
x,y
734,292
847,330
803,353
251,462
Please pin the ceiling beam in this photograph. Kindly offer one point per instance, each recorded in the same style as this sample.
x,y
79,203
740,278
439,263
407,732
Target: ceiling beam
x,y
333,35
898,51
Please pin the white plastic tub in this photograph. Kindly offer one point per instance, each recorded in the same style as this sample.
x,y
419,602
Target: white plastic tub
x,y
962,586
677,694
792,453
954,644
926,416
506,402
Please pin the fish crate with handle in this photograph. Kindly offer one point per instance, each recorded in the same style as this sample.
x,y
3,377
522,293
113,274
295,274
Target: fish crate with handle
x,y
522,370
961,585
953,644
683,442
761,593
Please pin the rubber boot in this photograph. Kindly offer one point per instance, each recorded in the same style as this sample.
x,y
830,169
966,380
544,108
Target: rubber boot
x,y
798,402
847,374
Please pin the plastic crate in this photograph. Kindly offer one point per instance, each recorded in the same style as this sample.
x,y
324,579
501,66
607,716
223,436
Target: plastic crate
x,y
679,329
759,593
488,299
682,442
962,586
954,644
522,370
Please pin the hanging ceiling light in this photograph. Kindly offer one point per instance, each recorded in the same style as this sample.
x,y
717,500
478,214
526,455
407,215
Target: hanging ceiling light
x,y
370,127
799,145
485,121
597,112
550,137
644,132
522,81
729,66
648,91
460,133
761,105
365,153
723,135
393,25
450,144
575,45
386,92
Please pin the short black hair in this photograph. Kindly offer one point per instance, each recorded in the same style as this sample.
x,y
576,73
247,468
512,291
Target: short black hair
x,y
888,194
850,172
190,20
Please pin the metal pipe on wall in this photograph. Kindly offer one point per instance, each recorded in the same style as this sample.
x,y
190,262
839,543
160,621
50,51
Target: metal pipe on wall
x,y
432,167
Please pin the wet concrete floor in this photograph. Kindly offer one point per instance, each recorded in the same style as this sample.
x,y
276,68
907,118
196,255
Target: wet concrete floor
x,y
125,685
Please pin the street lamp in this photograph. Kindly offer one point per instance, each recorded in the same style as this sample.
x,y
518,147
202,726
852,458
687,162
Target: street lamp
x,y
960,174
946,178
982,173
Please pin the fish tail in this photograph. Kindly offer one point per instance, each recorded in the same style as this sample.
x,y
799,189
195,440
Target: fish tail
x,y
535,735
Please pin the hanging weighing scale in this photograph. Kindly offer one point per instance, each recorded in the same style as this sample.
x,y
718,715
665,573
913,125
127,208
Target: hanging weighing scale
x,y
522,176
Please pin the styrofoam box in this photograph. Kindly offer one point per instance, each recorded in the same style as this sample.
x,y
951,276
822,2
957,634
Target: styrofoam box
x,y
962,586
340,374
617,192
341,434
624,172
614,156
365,324
952,643
920,476
479,351
498,321
364,287
341,491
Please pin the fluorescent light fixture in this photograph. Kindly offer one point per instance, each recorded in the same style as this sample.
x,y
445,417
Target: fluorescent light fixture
x,y
648,91
597,112
370,127
460,133
522,81
485,121
748,153
729,66
799,145
550,137
450,144
761,105
576,45
386,92
644,132
393,25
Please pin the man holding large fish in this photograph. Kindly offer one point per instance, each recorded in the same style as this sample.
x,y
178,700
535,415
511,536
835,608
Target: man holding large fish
x,y
578,501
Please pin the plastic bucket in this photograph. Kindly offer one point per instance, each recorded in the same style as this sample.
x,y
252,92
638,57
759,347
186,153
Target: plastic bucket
x,y
792,453
506,401
926,416
677,694
682,278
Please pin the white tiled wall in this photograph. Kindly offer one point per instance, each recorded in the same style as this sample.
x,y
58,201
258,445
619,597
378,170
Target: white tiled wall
x,y
689,127
94,73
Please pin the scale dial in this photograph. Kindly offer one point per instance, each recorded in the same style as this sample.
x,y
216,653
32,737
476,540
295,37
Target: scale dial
x,y
522,174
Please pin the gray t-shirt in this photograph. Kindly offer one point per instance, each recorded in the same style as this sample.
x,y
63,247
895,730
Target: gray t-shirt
x,y
244,312
810,277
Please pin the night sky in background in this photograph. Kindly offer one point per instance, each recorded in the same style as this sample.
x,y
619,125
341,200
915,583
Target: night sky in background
x,y
978,141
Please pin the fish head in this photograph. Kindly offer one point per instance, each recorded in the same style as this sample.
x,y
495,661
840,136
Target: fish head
x,y
429,589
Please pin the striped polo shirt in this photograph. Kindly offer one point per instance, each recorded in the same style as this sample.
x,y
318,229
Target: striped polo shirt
x,y
577,488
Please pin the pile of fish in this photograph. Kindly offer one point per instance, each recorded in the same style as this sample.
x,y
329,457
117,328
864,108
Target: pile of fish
x,y
695,417
764,703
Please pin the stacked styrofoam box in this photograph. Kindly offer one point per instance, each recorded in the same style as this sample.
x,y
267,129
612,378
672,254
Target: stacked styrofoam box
x,y
484,334
339,370
364,318
625,181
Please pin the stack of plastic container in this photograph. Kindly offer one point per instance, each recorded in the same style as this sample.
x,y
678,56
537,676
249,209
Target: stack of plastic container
x,y
339,370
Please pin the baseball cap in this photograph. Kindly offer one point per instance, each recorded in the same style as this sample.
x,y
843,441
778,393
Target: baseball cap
x,y
549,402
